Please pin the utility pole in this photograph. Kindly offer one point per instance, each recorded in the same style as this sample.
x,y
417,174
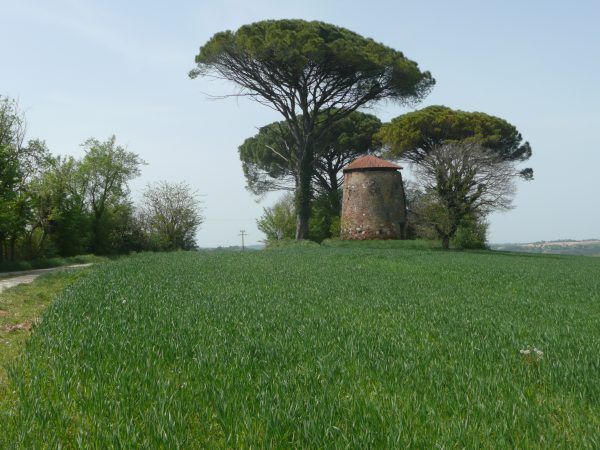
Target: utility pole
x,y
242,234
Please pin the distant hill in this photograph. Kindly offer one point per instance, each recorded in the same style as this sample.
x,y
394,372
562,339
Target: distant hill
x,y
588,247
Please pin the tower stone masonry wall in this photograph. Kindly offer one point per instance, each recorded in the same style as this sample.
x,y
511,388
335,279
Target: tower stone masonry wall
x,y
373,205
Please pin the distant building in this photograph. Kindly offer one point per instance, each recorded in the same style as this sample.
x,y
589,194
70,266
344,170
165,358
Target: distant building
x,y
373,205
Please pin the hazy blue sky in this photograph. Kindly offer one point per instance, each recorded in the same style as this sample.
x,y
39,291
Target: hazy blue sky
x,y
96,68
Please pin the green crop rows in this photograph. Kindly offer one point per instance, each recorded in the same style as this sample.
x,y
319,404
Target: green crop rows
x,y
352,347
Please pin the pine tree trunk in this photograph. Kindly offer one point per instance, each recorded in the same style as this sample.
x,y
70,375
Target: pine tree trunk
x,y
446,242
303,192
301,227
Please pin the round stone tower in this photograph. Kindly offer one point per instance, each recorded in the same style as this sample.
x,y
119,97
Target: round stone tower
x,y
373,204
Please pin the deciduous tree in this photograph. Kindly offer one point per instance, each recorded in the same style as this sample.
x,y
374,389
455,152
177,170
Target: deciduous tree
x,y
104,174
278,221
171,215
466,162
60,192
463,181
21,161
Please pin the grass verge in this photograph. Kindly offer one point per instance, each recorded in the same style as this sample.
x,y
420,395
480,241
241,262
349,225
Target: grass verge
x,y
23,305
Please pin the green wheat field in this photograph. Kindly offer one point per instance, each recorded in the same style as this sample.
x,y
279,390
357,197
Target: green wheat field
x,y
377,345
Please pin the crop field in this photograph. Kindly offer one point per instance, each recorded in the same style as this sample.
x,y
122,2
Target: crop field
x,y
327,347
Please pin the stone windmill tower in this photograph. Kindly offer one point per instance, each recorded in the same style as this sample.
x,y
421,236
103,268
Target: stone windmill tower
x,y
373,205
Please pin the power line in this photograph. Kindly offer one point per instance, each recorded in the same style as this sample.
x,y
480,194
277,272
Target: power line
x,y
242,234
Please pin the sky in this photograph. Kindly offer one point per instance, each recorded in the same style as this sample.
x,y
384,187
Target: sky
x,y
90,68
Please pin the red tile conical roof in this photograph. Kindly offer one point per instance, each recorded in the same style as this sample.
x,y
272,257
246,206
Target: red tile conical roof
x,y
371,162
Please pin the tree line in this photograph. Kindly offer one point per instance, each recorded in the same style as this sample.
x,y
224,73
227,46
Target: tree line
x,y
63,206
318,76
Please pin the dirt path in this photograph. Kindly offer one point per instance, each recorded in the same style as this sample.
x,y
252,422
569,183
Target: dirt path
x,y
11,279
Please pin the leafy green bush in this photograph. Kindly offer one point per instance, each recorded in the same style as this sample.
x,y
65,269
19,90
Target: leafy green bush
x,y
471,234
